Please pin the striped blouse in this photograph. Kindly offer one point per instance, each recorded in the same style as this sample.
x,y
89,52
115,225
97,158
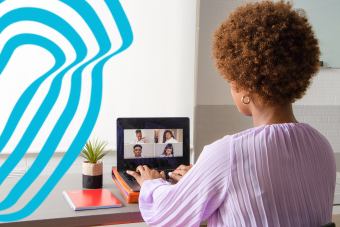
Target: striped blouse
x,y
275,175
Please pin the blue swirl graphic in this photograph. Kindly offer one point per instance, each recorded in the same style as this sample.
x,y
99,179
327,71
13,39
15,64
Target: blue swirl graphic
x,y
51,20
47,18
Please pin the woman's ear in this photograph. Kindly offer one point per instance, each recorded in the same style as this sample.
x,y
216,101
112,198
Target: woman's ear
x,y
241,99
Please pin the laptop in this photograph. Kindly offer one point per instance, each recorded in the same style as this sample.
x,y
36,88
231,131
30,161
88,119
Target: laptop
x,y
162,144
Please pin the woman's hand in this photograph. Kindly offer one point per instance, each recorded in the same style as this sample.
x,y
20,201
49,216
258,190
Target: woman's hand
x,y
178,173
146,174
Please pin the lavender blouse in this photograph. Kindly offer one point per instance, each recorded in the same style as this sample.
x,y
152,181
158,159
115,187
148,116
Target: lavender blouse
x,y
276,175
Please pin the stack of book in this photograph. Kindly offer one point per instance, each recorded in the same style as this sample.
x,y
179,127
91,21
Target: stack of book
x,y
130,196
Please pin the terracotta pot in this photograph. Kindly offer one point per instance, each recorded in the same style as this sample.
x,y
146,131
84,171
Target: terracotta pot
x,y
92,175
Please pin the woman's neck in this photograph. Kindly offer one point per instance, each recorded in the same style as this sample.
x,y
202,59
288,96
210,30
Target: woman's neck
x,y
264,115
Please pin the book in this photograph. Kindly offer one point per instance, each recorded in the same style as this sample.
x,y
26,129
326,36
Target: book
x,y
91,199
130,196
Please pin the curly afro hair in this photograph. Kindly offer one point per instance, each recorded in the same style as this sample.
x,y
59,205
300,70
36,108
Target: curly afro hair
x,y
267,49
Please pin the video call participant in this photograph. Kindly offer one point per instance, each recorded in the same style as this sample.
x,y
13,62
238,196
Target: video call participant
x,y
168,151
137,150
168,137
140,139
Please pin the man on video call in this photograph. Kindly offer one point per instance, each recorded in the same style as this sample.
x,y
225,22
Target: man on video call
x,y
140,139
137,150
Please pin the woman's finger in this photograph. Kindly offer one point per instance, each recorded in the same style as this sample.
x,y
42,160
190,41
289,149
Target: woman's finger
x,y
146,167
181,167
180,172
140,169
134,174
175,176
163,175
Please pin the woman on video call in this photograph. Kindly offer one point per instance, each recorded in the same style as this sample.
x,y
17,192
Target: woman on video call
x,y
168,151
278,173
168,137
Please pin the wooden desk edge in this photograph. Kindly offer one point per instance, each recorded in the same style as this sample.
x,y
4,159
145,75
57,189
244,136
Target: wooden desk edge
x,y
91,220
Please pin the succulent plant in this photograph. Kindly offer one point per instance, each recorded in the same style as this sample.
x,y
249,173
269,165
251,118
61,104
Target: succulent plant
x,y
94,151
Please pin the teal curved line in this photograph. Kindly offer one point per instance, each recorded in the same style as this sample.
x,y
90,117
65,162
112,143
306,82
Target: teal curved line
x,y
63,27
30,39
95,100
23,14
22,103
24,39
90,119
98,30
13,17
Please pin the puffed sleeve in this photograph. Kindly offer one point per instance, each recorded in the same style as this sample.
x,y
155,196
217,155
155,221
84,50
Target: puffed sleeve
x,y
195,197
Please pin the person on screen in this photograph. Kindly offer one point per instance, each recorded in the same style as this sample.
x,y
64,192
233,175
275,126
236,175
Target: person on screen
x,y
137,150
168,151
139,138
168,137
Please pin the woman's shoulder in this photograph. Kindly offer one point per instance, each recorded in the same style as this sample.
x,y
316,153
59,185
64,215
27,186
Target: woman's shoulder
x,y
275,132
226,140
219,145
217,151
270,133
267,131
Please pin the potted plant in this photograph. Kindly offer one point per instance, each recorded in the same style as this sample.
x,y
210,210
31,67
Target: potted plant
x,y
93,167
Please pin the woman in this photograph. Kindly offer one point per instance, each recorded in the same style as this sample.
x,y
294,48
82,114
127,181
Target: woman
x,y
168,137
279,173
168,151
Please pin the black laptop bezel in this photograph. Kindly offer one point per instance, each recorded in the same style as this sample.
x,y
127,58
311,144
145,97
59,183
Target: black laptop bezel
x,y
141,123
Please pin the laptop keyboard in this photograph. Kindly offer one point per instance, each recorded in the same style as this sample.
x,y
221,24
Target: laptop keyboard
x,y
131,178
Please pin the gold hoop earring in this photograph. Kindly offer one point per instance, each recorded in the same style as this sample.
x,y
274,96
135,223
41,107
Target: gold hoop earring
x,y
245,103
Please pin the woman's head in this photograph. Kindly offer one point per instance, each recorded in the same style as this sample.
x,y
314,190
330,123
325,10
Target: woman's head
x,y
267,50
168,150
167,135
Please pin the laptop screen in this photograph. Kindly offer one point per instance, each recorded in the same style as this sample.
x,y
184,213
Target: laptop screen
x,y
160,143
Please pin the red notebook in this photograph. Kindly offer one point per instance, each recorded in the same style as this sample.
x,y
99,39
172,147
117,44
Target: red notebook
x,y
91,199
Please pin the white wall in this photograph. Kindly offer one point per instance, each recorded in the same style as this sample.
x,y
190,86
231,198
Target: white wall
x,y
154,77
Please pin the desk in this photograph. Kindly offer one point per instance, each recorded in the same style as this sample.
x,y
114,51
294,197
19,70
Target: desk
x,y
55,211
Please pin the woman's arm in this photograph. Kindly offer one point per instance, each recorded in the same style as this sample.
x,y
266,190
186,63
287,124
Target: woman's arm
x,y
195,197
